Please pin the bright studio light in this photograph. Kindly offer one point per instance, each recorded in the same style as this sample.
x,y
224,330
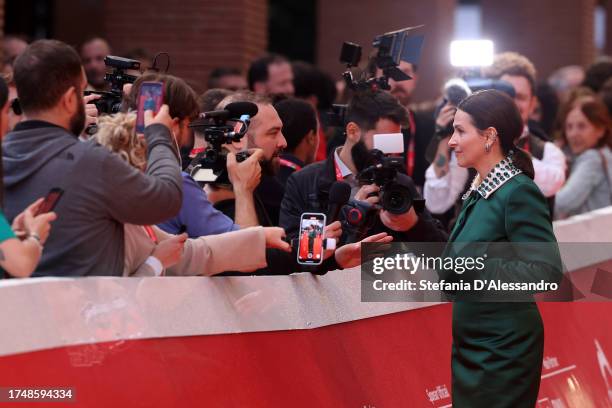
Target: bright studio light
x,y
471,53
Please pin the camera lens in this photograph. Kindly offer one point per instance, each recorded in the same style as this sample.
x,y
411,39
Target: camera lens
x,y
396,198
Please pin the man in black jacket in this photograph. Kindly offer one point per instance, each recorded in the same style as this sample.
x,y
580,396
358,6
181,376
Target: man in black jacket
x,y
265,133
368,113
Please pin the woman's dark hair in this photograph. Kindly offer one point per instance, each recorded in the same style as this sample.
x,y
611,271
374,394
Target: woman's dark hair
x,y
178,95
495,109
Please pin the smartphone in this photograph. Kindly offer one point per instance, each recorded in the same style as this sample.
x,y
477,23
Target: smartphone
x,y
50,201
310,247
150,97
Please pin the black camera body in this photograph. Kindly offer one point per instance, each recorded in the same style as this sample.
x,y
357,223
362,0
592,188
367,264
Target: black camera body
x,y
393,47
357,217
219,128
110,102
396,194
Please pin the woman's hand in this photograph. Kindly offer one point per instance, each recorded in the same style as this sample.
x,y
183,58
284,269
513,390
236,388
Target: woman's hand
x,y
274,239
26,223
170,250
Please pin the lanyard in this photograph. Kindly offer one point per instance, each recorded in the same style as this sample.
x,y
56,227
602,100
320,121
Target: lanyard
x,y
196,151
150,233
289,164
410,153
338,171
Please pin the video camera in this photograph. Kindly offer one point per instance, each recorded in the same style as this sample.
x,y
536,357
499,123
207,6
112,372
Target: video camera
x,y
393,47
396,189
110,102
220,127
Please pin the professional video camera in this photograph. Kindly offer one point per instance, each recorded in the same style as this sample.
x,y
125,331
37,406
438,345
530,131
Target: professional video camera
x,y
220,127
393,47
396,194
110,102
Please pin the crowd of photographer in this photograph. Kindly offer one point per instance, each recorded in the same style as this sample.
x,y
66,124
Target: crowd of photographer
x,y
113,167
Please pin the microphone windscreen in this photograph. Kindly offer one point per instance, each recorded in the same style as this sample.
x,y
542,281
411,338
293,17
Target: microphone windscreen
x,y
456,90
237,109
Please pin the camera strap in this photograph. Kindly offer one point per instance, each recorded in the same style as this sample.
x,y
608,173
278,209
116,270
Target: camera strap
x,y
338,171
151,233
194,152
291,165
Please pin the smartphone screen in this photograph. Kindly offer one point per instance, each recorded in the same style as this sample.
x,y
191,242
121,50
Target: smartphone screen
x,y
150,97
51,200
310,249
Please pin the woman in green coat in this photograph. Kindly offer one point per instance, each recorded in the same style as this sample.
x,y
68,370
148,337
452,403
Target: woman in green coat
x,y
498,346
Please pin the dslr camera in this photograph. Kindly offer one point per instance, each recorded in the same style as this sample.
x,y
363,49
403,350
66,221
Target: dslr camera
x,y
397,193
110,102
219,128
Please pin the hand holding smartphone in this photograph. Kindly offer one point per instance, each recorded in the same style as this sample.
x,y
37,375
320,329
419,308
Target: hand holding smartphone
x,y
50,201
150,97
310,248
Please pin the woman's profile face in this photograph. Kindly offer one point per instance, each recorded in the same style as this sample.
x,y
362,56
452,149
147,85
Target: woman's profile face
x,y
580,132
467,141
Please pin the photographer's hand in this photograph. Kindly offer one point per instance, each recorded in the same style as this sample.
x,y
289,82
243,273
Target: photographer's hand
x,y
163,117
364,191
443,121
349,255
333,230
245,176
399,222
446,116
91,112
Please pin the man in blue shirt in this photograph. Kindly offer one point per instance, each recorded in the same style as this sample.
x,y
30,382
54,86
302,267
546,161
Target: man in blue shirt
x,y
198,217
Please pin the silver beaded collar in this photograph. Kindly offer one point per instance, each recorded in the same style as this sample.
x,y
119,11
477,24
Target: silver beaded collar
x,y
501,173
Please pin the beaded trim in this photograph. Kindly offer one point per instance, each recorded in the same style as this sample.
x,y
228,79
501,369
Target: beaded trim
x,y
501,173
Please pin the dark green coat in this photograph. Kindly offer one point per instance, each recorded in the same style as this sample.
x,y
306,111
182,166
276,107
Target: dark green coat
x,y
498,347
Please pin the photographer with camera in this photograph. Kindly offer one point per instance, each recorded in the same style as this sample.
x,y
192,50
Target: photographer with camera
x,y
368,113
101,192
264,133
149,251
197,217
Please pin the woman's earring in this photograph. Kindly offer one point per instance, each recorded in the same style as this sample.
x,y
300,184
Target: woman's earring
x,y
487,147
